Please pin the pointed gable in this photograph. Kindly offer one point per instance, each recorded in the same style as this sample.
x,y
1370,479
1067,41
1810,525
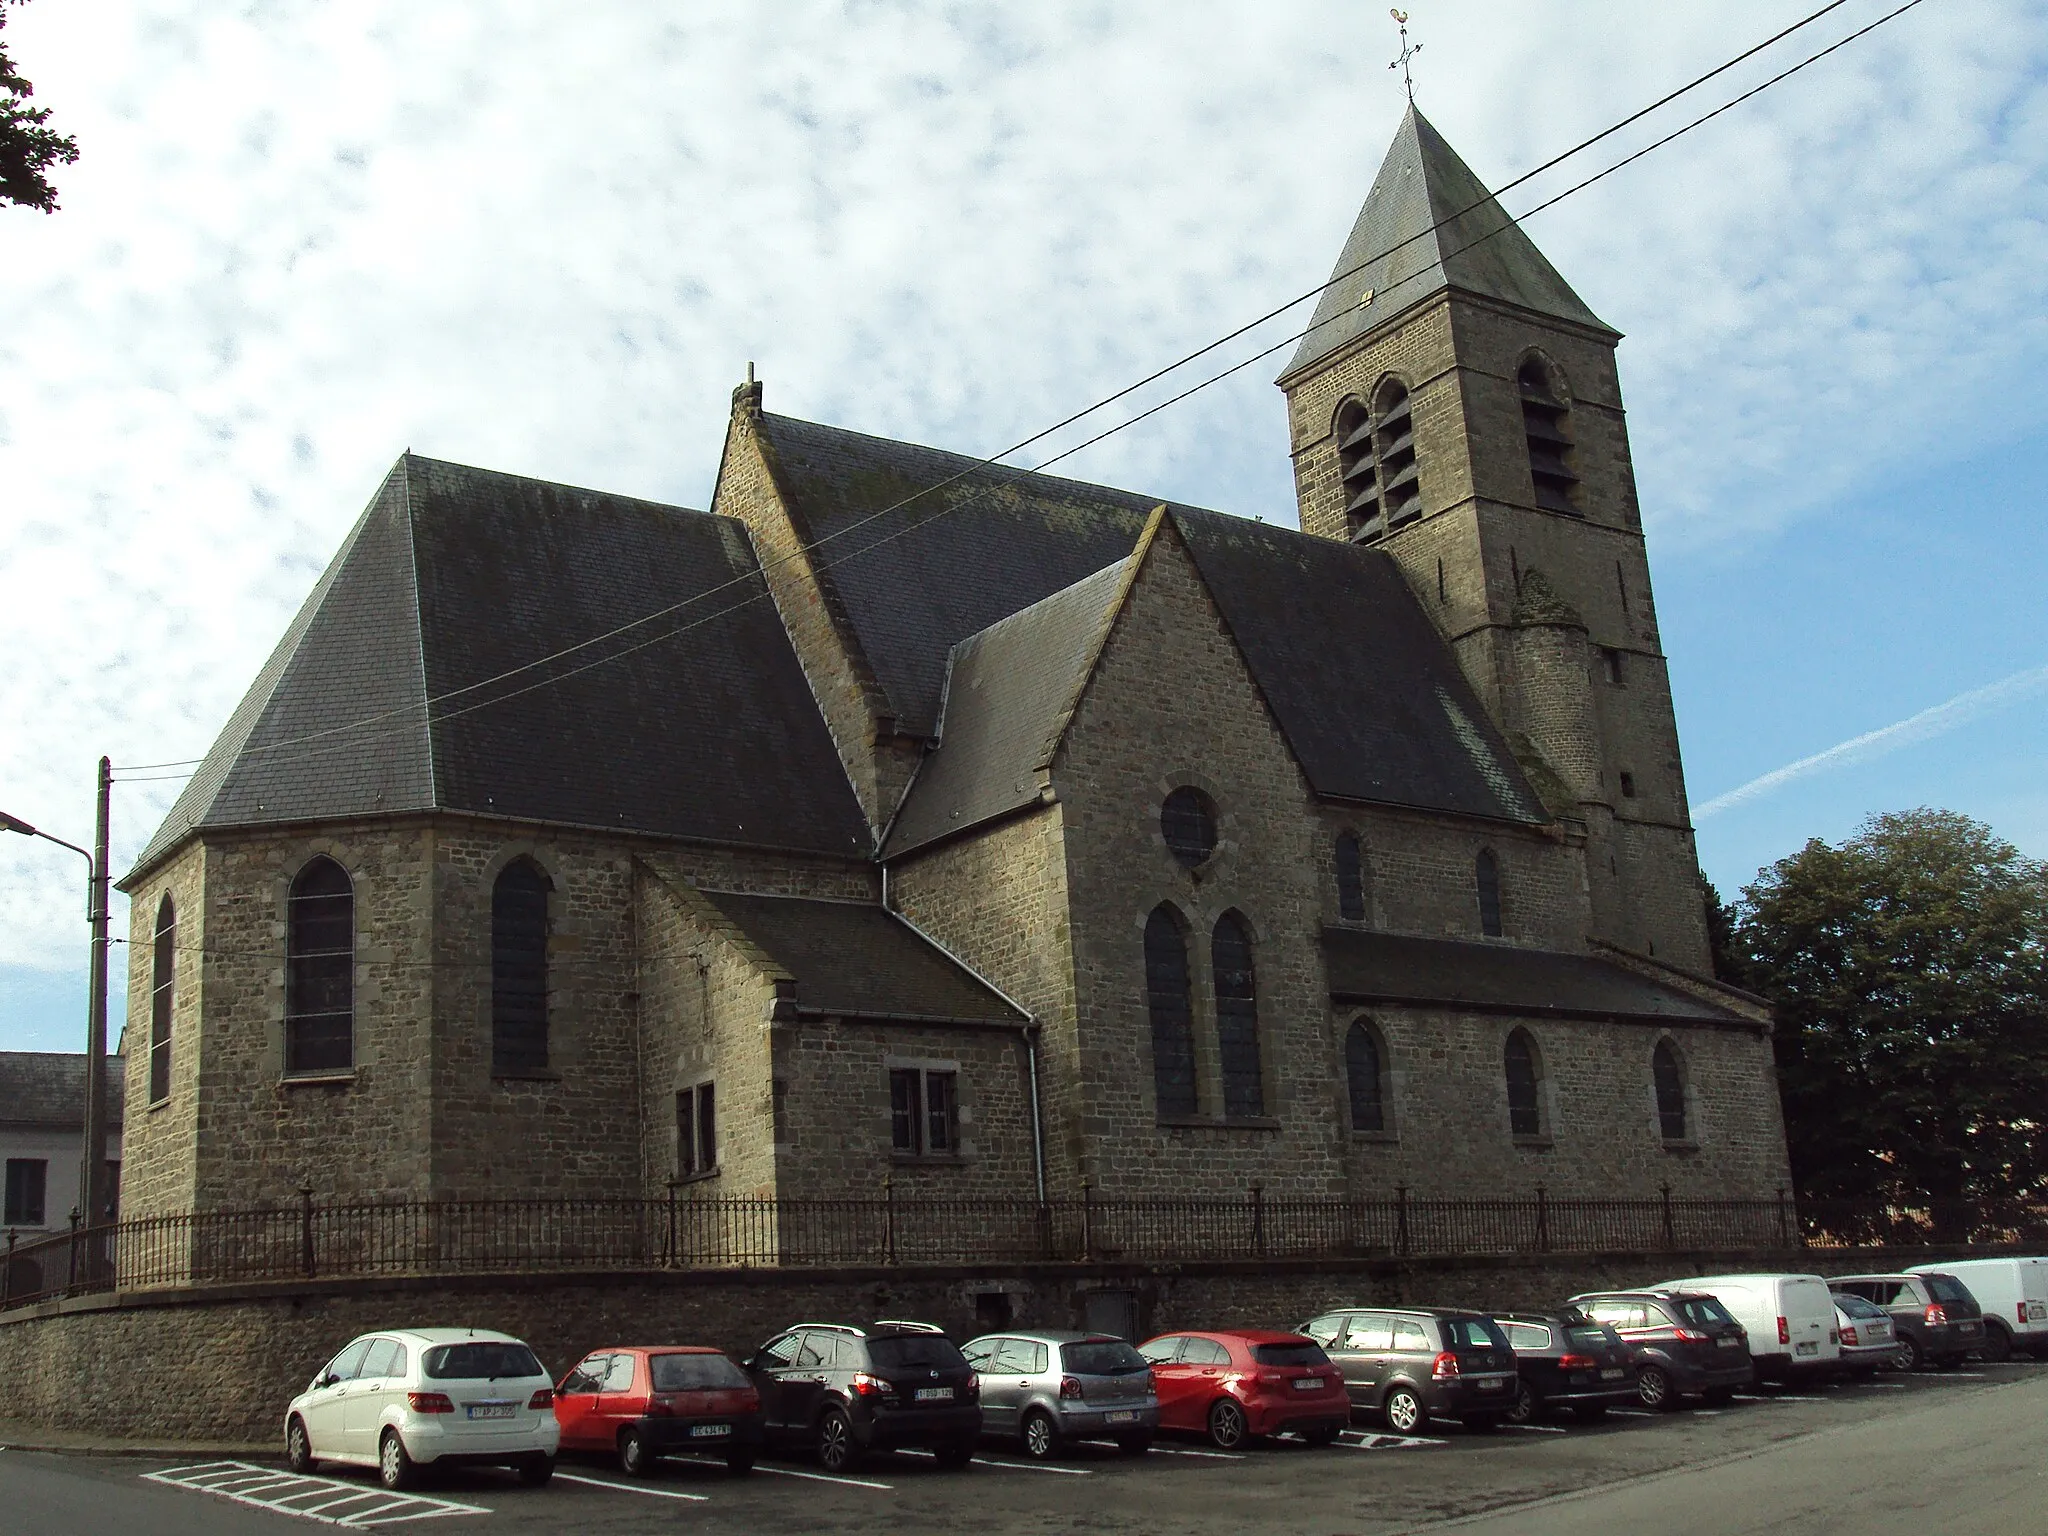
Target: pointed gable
x,y
1429,224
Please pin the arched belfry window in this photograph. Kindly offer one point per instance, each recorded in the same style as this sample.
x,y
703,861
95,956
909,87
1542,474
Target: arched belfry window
x,y
1172,1011
519,969
320,962
1670,1082
1350,878
1525,1095
1376,463
1237,1018
1546,427
1365,1077
162,983
1486,878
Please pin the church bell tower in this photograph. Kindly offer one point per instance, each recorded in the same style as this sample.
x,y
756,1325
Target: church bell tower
x,y
1456,405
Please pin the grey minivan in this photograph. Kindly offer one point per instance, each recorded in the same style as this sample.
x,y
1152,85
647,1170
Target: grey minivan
x,y
1048,1389
1409,1364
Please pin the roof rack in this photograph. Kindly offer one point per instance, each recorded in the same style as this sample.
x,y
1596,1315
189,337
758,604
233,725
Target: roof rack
x,y
906,1323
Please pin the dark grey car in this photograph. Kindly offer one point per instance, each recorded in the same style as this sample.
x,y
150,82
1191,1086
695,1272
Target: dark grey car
x,y
1045,1389
1937,1320
1408,1364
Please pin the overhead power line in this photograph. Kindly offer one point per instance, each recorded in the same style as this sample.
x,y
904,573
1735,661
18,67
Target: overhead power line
x,y
406,714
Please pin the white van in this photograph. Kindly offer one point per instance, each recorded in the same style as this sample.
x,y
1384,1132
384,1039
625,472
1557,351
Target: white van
x,y
1790,1320
2014,1296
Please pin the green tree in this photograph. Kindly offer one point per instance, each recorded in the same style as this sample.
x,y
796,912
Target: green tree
x,y
27,147
1907,969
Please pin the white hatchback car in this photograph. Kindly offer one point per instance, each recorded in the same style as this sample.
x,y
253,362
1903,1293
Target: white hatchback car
x,y
409,1398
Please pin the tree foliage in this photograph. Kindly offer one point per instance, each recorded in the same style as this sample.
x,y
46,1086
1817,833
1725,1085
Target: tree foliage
x,y
1909,969
28,148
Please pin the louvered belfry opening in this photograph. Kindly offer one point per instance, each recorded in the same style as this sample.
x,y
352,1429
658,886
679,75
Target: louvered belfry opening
x,y
519,970
1376,460
1546,425
1358,466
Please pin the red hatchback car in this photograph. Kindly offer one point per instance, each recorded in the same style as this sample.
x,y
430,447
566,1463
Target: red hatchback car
x,y
1237,1384
642,1402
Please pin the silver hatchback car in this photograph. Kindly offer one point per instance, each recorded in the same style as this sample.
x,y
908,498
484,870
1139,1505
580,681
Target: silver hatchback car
x,y
1047,1389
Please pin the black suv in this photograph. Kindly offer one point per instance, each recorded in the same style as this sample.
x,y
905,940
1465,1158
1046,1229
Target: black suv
x,y
841,1391
1686,1342
1409,1363
1567,1360
1936,1319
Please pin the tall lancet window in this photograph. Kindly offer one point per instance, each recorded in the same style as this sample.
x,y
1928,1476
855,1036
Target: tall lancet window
x,y
319,975
1173,1014
162,984
1237,1018
1546,426
519,970
1486,877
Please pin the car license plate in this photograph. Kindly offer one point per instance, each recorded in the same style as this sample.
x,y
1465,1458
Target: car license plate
x,y
1308,1383
1612,1373
1490,1383
1969,1325
2037,1311
491,1410
1120,1418
1810,1347
1729,1341
709,1431
934,1394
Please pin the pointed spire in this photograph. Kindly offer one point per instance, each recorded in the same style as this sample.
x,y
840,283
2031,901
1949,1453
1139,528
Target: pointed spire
x,y
1398,255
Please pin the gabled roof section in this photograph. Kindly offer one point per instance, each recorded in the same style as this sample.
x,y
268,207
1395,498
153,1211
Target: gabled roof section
x,y
1010,691
696,724
1427,225
858,960
45,1090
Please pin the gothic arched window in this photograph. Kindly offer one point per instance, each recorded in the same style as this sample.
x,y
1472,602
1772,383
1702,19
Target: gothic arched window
x,y
519,969
1173,1016
1525,1096
320,962
1486,879
1670,1081
1546,427
1365,1077
162,980
1237,1018
1350,877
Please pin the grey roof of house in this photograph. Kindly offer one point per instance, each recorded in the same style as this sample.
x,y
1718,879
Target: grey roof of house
x,y
698,724
1369,697
45,1090
855,959
1392,968
1427,225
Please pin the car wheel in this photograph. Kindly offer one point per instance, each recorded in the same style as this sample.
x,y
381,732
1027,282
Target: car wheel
x,y
1590,1413
633,1458
1227,1427
1134,1445
1527,1405
1653,1389
395,1469
956,1456
1404,1411
298,1450
1997,1343
535,1468
837,1451
739,1466
1041,1436
1911,1356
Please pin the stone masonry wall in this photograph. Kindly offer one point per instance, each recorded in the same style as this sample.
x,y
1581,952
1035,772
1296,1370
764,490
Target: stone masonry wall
x,y
158,1171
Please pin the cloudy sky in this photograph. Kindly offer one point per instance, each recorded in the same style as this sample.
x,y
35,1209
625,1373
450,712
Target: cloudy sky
x,y
303,238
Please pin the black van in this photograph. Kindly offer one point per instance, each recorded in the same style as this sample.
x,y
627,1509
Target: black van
x,y
1409,1364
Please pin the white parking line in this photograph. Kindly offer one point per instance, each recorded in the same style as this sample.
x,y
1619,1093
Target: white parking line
x,y
1538,1429
1174,1450
284,1492
1013,1466
826,1477
652,1493
1371,1442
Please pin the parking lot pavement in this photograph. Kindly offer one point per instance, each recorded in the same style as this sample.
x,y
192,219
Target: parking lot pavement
x,y
1849,1458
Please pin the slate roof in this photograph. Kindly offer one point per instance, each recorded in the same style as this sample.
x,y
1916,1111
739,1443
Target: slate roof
x,y
703,726
855,958
45,1090
1499,978
1398,254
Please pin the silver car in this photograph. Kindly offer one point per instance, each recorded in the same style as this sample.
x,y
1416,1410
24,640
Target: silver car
x,y
1869,1338
1047,1389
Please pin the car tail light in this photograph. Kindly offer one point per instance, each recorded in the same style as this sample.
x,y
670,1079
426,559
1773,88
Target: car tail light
x,y
1935,1315
865,1385
1070,1389
2020,1312
1688,1336
1849,1335
429,1402
1784,1331
1576,1362
1444,1366
972,1390
661,1408
543,1398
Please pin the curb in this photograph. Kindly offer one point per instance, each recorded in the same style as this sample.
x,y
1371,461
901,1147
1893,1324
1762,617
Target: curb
x,y
152,1452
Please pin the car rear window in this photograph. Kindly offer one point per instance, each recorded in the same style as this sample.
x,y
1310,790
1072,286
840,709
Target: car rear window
x,y
1856,1306
929,1350
1701,1311
1473,1333
1110,1359
695,1373
480,1361
1946,1288
1303,1353
1588,1336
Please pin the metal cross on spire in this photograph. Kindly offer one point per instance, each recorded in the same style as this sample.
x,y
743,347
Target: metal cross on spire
x,y
1407,53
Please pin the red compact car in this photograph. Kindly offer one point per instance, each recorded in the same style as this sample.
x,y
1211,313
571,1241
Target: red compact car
x,y
641,1402
1239,1383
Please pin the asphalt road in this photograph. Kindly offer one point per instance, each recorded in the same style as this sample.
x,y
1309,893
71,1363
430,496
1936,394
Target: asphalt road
x,y
1938,1454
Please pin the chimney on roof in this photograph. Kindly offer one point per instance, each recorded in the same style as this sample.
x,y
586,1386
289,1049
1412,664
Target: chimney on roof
x,y
746,399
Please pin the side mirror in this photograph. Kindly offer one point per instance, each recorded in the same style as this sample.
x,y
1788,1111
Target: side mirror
x,y
325,1379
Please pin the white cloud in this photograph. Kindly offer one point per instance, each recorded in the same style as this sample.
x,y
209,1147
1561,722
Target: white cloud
x,y
302,239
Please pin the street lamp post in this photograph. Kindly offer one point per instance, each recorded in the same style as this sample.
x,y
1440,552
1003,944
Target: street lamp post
x,y
92,1183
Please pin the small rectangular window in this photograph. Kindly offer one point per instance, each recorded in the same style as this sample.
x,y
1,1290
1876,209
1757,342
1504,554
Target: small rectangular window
x,y
1610,665
924,1111
1628,786
27,1180
696,1131
779,1109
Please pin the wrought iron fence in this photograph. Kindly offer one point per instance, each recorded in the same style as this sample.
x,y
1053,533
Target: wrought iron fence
x,y
417,1237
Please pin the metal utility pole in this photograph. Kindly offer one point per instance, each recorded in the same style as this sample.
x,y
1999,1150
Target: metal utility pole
x,y
92,1184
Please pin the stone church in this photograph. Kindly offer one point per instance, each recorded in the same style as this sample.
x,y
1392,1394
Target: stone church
x,y
991,832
